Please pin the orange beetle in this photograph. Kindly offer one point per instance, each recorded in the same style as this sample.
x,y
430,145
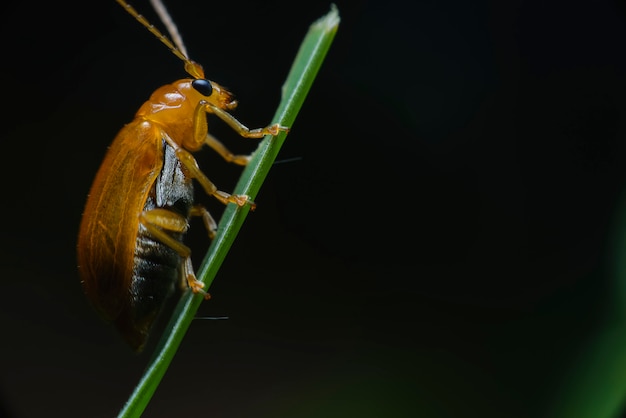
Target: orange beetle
x,y
130,250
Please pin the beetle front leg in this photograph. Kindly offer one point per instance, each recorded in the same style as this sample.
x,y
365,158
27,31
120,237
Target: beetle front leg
x,y
240,128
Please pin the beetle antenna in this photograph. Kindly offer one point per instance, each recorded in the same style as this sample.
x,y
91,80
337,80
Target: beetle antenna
x,y
171,27
178,49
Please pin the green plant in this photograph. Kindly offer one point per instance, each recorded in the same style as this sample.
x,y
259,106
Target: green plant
x,y
303,71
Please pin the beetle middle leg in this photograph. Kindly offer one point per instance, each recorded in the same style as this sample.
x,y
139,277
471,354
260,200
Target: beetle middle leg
x,y
191,165
224,152
207,219
158,222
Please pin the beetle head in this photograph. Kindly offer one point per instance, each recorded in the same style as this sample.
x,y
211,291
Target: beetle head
x,y
215,93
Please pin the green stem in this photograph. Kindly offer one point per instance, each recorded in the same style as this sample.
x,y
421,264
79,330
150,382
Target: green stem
x,y
303,71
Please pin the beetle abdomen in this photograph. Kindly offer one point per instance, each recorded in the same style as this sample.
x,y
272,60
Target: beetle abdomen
x,y
155,271
156,266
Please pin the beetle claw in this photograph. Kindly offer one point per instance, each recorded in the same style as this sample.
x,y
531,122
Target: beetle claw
x,y
197,287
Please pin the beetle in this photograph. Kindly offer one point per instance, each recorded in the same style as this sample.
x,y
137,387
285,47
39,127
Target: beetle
x,y
130,251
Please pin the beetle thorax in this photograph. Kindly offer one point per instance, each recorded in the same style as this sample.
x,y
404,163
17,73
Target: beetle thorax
x,y
173,109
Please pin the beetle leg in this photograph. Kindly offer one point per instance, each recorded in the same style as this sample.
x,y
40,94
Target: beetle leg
x,y
209,222
240,128
166,220
158,221
201,136
190,279
224,152
191,165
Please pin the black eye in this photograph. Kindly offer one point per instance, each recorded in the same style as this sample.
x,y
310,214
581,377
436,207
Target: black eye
x,y
203,87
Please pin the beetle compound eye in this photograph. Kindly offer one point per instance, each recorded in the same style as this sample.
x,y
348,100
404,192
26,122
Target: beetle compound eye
x,y
203,87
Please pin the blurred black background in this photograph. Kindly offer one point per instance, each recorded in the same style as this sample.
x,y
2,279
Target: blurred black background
x,y
442,240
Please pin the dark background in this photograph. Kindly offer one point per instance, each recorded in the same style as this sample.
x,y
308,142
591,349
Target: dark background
x,y
446,243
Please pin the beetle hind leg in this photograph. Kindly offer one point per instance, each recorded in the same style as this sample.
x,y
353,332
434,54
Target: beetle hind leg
x,y
189,279
158,222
